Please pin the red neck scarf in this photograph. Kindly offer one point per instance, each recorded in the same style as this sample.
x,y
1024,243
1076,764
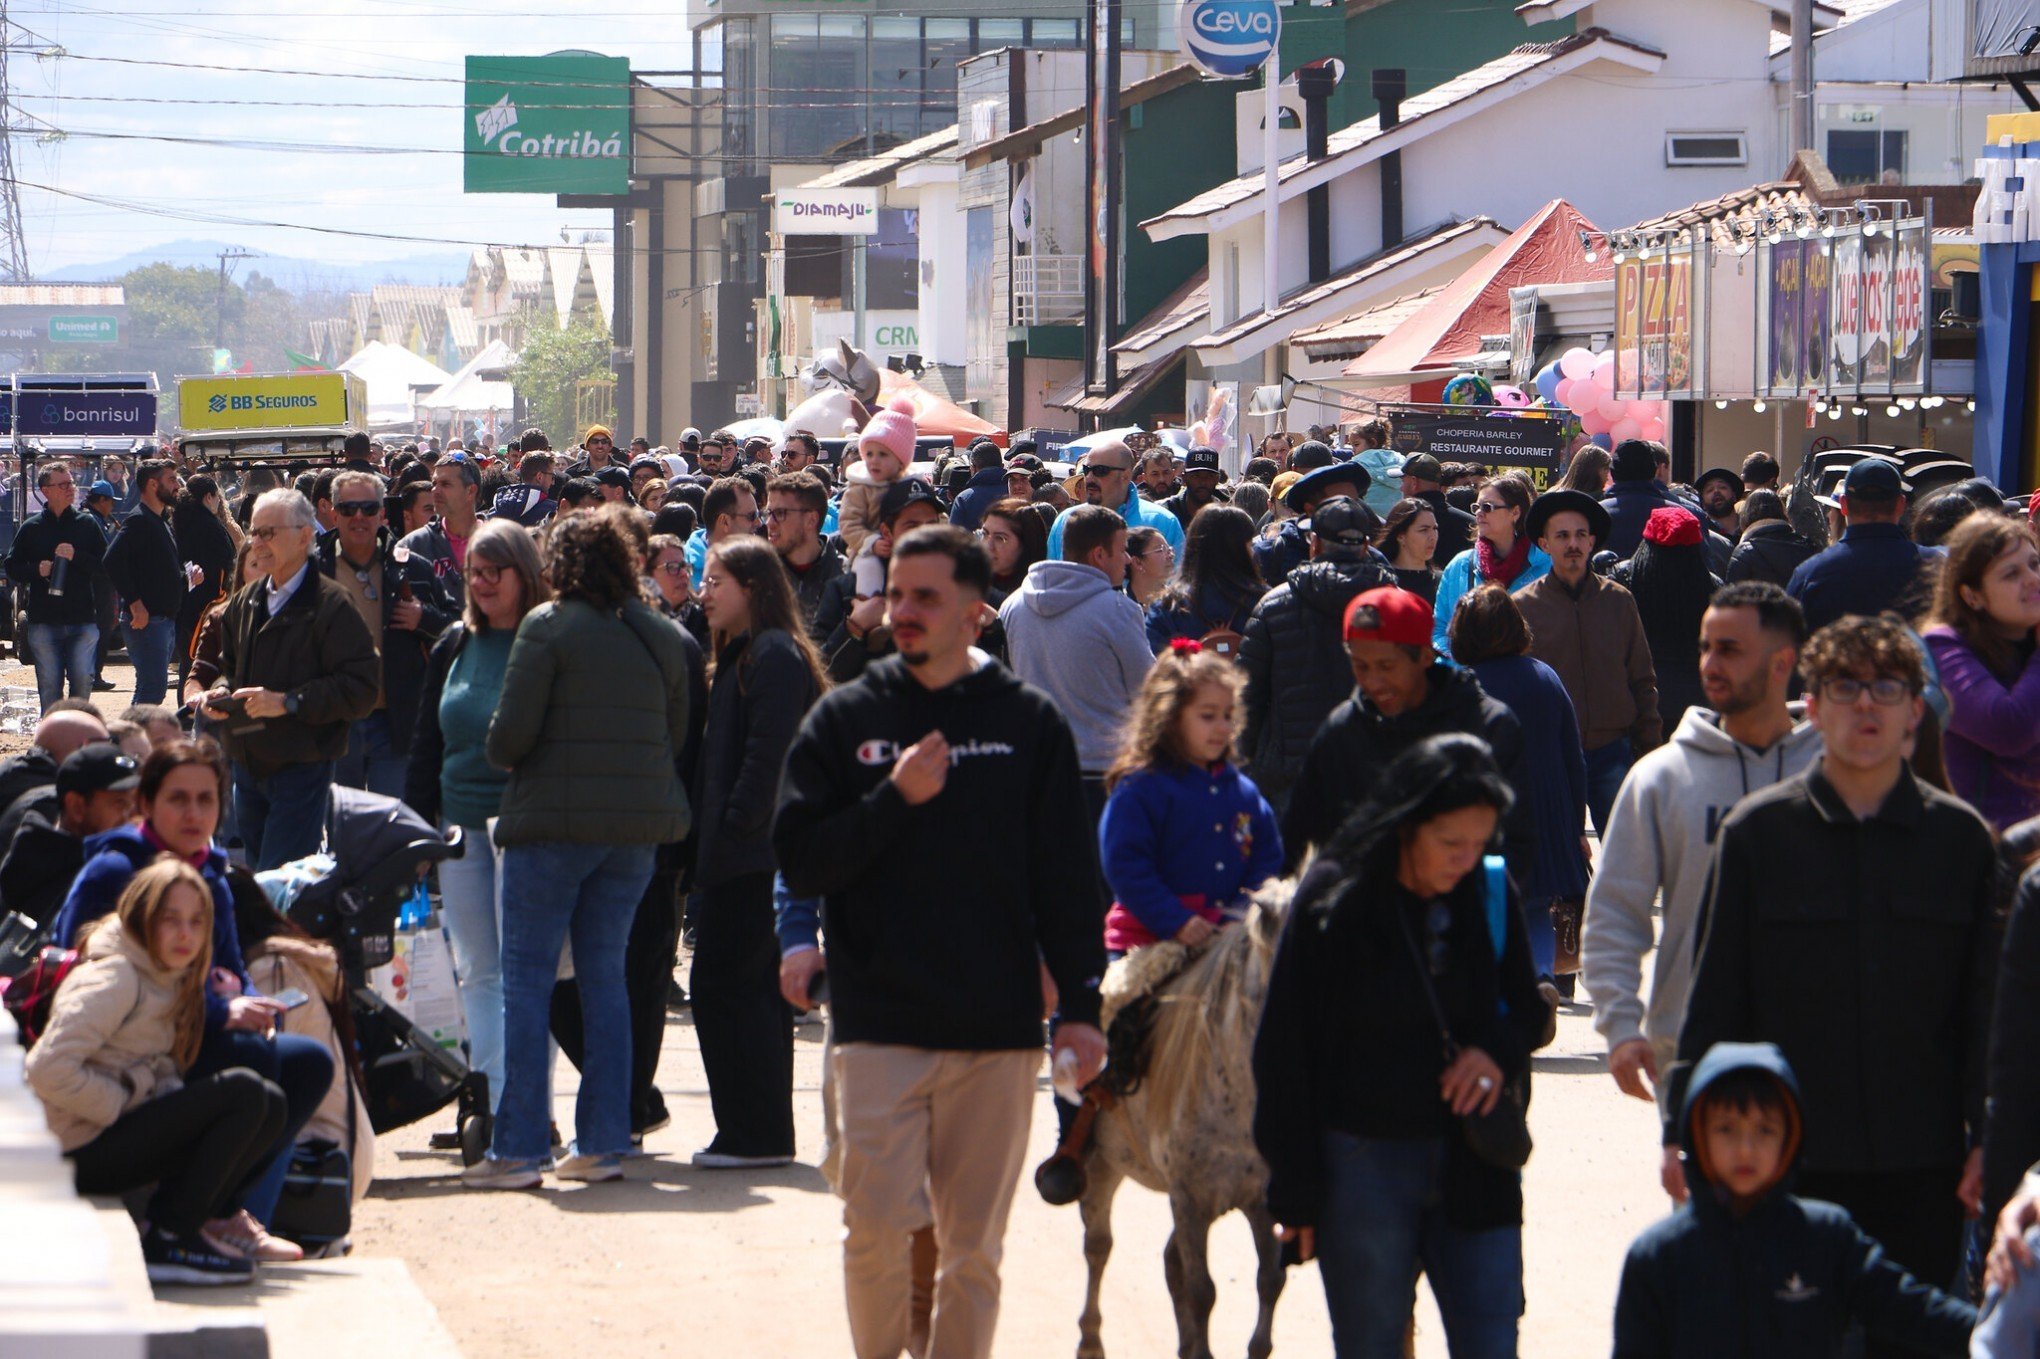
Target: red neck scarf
x,y
197,860
1501,569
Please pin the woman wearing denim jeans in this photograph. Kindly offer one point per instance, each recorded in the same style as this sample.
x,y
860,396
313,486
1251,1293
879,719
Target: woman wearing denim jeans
x,y
591,723
450,779
1359,1104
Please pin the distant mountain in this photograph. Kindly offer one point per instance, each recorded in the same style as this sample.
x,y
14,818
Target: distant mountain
x,y
298,275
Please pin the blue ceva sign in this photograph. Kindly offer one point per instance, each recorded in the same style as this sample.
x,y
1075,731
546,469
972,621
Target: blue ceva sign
x,y
86,415
1229,38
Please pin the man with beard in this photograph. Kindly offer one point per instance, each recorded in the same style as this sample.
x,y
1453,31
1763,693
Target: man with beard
x,y
1659,840
1720,492
1107,470
1201,476
1588,630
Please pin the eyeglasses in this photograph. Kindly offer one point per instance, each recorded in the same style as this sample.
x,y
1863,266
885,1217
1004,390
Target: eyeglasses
x,y
367,588
605,443
1103,469
357,508
265,533
774,516
1885,693
1161,550
675,569
485,573
1481,507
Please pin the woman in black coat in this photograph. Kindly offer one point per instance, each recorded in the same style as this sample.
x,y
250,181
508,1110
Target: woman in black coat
x,y
1360,1102
766,674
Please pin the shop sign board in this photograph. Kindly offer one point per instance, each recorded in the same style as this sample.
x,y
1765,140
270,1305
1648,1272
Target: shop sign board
x,y
1654,324
1792,308
1496,441
86,414
287,401
825,212
1229,39
1846,315
84,330
554,124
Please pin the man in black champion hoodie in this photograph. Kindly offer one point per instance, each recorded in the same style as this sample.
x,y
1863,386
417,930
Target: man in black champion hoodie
x,y
899,796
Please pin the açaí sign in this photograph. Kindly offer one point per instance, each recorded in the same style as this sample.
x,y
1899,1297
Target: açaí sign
x,y
553,124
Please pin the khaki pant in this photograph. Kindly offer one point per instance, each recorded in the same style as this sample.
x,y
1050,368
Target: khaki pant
x,y
928,1137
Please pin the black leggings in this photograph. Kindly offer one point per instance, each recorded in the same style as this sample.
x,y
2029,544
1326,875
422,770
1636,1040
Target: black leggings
x,y
202,1146
743,1025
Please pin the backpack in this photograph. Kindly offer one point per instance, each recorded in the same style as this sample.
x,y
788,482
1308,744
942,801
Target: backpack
x,y
28,996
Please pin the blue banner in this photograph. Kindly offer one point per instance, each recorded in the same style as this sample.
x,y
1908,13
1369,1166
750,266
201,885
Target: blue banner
x,y
87,415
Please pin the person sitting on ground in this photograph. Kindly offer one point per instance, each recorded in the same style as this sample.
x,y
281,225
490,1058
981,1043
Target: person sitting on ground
x,y
28,781
115,1070
157,722
1185,836
96,791
1745,1266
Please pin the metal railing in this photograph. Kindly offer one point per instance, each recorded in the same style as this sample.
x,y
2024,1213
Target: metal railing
x,y
1047,289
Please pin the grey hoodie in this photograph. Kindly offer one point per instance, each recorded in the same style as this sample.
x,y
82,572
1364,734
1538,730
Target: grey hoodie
x,y
1661,836
1084,644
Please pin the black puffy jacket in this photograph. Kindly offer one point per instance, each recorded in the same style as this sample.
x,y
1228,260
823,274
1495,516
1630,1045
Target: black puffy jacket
x,y
1294,651
1771,551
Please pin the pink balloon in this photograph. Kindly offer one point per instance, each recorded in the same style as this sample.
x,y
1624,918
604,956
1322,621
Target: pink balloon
x,y
1612,410
1604,371
1625,428
1653,429
1576,363
1592,423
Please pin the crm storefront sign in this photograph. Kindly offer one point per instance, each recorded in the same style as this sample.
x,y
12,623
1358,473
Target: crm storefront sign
x,y
555,124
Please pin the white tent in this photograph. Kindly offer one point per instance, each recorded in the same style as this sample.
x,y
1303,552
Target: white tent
x,y
477,389
396,378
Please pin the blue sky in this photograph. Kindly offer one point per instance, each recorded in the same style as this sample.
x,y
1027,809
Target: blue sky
x,y
412,193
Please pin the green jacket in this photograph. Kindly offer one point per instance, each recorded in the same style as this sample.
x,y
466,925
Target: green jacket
x,y
591,723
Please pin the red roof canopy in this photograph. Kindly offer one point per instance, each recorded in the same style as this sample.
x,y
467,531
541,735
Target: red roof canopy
x,y
933,415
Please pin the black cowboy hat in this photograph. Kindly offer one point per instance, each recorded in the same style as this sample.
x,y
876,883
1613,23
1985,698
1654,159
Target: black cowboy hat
x,y
1310,487
1579,502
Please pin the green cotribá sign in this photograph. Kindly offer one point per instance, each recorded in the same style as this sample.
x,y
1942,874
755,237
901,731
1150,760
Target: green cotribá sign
x,y
84,330
557,124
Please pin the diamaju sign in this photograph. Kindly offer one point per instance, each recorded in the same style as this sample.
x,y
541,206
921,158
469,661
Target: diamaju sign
x,y
825,212
553,124
285,401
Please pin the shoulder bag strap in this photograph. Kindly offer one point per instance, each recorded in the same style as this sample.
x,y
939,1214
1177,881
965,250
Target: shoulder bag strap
x,y
1424,980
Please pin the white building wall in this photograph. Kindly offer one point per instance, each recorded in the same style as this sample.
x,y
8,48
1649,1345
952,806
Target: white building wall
x,y
942,237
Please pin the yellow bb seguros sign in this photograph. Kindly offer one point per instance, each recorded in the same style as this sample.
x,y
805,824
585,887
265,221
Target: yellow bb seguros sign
x,y
282,401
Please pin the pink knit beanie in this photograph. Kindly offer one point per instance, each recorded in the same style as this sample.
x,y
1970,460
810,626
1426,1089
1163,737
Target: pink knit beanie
x,y
893,432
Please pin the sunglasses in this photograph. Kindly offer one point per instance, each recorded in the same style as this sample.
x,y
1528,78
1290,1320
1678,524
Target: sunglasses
x,y
1103,469
350,509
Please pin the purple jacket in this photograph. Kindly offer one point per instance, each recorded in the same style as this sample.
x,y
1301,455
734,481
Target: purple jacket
x,y
1992,745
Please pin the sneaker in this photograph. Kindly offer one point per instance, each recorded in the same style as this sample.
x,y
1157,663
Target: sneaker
x,y
708,1158
495,1174
676,995
555,1143
1549,992
176,1260
241,1235
589,1169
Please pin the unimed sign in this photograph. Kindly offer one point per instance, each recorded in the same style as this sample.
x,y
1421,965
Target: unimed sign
x,y
557,124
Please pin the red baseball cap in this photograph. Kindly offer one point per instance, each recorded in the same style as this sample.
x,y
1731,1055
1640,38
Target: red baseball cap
x,y
1387,614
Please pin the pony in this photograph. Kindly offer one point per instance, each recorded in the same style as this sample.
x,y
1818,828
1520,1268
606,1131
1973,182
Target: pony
x,y
1186,1129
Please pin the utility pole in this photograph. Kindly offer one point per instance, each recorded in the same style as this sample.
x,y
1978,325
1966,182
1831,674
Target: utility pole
x,y
1802,76
231,255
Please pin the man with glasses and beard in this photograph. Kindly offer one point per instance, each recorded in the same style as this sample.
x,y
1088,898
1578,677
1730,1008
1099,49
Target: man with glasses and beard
x,y
1851,920
1658,844
795,505
405,612
146,570
1107,470
57,553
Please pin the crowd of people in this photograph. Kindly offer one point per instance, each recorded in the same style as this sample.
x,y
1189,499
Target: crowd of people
x,y
1512,739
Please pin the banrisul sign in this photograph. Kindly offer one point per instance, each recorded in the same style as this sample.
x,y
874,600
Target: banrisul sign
x,y
557,124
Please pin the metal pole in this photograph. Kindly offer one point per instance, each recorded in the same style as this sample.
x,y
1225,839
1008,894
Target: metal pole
x,y
857,284
1271,222
1802,76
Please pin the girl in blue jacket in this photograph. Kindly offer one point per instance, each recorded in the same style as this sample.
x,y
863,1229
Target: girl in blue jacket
x,y
1185,835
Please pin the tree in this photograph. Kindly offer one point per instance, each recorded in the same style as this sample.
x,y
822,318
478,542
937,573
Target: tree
x,y
173,311
552,362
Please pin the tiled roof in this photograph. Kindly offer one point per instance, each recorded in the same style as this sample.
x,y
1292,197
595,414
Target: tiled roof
x,y
881,168
1180,314
62,295
1349,336
1532,63
1743,207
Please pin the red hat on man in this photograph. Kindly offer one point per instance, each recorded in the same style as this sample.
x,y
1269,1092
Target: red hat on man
x,y
1390,615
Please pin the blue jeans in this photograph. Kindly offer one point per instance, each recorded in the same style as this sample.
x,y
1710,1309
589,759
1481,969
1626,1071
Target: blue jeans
x,y
371,762
1543,935
149,648
301,1066
1606,767
282,817
1383,1220
550,891
473,909
63,652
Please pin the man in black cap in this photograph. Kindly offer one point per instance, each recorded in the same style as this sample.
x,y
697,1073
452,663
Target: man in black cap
x,y
1875,566
1635,491
1201,478
987,484
1720,491
856,626
1296,665
615,484
1423,478
1289,548
96,792
1587,629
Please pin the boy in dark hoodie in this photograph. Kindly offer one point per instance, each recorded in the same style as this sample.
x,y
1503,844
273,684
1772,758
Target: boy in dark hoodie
x,y
1746,1269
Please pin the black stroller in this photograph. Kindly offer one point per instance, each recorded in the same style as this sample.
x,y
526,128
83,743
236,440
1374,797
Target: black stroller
x,y
381,849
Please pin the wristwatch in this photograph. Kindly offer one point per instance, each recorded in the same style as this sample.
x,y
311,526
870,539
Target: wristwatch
x,y
290,704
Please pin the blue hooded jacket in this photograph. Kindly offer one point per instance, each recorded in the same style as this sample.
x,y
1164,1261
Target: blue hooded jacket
x,y
112,858
1783,1279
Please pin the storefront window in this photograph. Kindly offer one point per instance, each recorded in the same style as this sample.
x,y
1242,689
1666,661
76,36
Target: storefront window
x,y
1867,157
1055,33
816,84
